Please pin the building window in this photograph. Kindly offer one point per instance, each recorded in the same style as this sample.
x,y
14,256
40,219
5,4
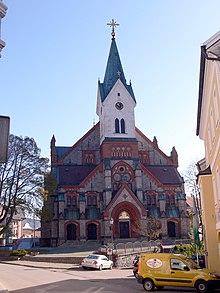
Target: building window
x,y
117,126
172,200
68,200
92,200
153,200
122,125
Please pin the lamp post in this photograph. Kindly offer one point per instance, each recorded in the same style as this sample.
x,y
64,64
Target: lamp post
x,y
111,226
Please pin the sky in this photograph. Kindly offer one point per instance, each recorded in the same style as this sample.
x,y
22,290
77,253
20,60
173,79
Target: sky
x,y
56,51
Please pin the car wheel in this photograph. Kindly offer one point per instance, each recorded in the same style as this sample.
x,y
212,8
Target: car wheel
x,y
148,285
84,267
101,267
201,286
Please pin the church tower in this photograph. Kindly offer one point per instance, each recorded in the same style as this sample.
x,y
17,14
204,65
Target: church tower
x,y
115,100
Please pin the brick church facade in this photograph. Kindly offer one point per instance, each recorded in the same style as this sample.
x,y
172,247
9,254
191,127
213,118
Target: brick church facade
x,y
114,177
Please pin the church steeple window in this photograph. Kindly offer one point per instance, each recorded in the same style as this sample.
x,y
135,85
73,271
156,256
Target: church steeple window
x,y
117,126
122,126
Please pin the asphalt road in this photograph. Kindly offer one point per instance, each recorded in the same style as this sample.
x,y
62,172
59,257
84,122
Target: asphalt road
x,y
27,279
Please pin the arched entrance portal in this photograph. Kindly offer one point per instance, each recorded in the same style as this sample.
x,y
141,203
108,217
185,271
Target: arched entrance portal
x,y
92,231
171,229
124,225
71,232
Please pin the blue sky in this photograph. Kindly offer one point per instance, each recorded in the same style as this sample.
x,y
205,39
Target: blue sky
x,y
57,50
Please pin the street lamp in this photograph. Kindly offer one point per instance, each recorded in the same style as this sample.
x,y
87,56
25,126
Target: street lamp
x,y
111,223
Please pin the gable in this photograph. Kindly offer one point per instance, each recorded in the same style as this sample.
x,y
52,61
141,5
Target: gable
x,y
156,155
125,195
90,141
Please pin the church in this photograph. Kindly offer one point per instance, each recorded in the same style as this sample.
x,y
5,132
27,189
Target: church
x,y
114,178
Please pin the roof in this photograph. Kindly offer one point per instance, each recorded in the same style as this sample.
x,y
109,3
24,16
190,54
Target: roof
x,y
113,72
61,151
165,174
73,175
210,50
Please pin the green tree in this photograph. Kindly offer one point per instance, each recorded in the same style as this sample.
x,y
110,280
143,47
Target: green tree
x,y
21,179
150,228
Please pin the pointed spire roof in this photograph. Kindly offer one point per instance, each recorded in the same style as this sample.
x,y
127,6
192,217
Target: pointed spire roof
x,y
113,72
114,68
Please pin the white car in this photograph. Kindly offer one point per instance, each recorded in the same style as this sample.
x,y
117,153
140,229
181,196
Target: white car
x,y
97,261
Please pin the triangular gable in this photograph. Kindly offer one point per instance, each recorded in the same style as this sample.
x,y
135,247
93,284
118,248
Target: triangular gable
x,y
125,197
120,83
98,169
79,142
153,145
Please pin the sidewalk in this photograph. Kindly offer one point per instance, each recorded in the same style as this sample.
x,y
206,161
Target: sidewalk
x,y
38,264
65,261
43,265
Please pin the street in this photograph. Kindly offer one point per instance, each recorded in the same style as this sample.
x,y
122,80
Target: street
x,y
23,279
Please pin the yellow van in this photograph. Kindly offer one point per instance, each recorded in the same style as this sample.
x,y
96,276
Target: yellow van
x,y
166,269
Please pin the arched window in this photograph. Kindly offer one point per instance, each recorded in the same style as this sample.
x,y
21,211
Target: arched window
x,y
122,125
116,125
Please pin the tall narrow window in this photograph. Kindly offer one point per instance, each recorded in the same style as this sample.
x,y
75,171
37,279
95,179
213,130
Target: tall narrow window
x,y
116,125
122,126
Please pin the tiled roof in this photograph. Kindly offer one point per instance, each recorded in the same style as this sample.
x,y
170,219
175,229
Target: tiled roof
x,y
165,174
61,151
73,175
113,71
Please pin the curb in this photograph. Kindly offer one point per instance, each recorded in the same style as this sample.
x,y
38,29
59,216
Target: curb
x,y
2,289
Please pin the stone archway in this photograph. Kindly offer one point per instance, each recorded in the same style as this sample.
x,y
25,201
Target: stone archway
x,y
92,231
171,229
71,232
122,227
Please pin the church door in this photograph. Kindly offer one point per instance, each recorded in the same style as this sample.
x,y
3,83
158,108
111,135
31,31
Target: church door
x,y
171,229
124,229
71,232
92,232
124,225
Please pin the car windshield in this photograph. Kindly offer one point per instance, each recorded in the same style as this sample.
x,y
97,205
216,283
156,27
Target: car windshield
x,y
192,264
92,257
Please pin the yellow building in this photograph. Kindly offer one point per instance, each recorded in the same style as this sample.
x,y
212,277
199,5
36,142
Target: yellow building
x,y
3,9
208,129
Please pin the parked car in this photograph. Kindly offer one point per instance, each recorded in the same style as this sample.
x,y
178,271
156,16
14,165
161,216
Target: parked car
x,y
96,261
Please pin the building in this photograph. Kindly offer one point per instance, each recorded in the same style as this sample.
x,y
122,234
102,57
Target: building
x,y
114,178
208,129
3,9
15,230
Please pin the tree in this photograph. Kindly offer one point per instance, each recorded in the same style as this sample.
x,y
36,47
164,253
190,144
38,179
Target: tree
x,y
21,179
190,178
150,228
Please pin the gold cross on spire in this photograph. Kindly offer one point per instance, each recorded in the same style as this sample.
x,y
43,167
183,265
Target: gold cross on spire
x,y
113,24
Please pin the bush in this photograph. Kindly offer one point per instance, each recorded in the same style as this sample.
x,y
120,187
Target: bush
x,y
19,252
188,249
